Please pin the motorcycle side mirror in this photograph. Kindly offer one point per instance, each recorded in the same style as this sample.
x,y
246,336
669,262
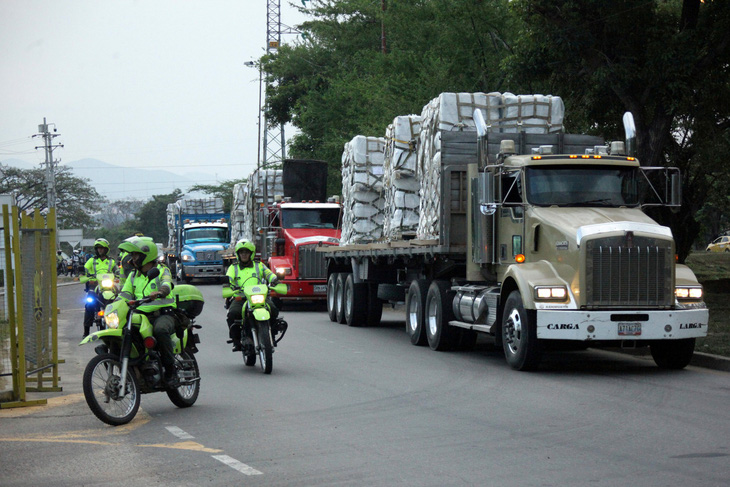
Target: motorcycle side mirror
x,y
153,273
227,292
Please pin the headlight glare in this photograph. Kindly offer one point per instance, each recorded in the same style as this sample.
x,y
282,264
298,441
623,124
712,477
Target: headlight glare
x,y
551,293
112,320
688,292
258,299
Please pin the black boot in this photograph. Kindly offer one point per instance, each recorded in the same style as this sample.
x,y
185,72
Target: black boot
x,y
170,378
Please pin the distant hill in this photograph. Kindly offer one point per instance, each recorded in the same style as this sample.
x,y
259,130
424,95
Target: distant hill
x,y
117,183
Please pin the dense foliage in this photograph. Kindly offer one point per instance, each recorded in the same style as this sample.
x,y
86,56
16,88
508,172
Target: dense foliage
x,y
666,61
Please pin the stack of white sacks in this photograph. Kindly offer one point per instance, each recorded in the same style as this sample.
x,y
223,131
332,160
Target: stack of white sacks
x,y
401,182
268,181
195,206
238,213
362,184
505,113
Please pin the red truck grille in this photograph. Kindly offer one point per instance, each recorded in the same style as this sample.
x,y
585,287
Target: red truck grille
x,y
311,263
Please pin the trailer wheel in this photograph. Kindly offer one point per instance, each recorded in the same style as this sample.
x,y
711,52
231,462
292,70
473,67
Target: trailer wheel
x,y
416,311
355,301
375,306
519,335
673,354
439,312
340,296
332,296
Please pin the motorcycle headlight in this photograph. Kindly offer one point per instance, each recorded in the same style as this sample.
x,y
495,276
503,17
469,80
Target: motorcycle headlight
x,y
107,283
112,320
89,299
258,299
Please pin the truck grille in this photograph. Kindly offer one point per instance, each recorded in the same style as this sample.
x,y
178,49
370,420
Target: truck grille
x,y
311,263
205,257
637,274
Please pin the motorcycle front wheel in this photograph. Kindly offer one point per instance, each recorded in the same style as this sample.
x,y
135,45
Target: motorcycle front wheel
x,y
266,348
102,388
186,394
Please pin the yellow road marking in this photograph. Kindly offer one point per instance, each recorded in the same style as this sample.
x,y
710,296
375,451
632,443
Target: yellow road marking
x,y
184,445
52,403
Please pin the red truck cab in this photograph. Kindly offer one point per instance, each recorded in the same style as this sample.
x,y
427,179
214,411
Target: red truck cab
x,y
296,231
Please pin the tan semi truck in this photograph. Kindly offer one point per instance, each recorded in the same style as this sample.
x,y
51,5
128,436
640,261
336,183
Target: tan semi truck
x,y
542,243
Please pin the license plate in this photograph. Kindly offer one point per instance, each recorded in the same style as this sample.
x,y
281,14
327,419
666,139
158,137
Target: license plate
x,y
320,288
629,329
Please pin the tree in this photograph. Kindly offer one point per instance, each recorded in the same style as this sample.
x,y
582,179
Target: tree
x,y
152,217
76,200
665,61
223,190
338,83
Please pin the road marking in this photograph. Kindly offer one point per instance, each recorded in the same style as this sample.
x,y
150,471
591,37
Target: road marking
x,y
233,463
179,433
52,402
184,445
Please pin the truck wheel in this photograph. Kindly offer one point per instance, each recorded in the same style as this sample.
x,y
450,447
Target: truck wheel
x,y
340,296
519,335
375,306
439,312
673,354
415,311
332,296
356,301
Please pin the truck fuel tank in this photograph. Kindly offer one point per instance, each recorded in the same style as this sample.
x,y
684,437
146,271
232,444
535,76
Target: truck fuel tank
x,y
475,304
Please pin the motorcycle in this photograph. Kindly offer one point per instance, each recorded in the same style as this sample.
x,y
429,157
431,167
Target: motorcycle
x,y
104,293
258,333
128,365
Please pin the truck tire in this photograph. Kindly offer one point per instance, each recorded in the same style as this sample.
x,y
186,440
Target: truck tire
x,y
439,312
340,297
673,354
522,350
355,301
332,297
375,306
416,311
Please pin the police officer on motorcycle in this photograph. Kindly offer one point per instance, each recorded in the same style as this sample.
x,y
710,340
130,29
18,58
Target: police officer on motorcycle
x,y
101,263
143,257
238,273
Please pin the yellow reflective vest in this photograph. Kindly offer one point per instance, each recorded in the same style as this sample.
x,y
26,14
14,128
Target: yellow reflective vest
x,y
137,286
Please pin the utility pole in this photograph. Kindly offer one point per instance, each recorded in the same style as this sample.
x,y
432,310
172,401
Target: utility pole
x,y
50,163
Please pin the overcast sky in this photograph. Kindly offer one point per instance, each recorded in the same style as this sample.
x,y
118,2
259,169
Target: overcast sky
x,y
136,83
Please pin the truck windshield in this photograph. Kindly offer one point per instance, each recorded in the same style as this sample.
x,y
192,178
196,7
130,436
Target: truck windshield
x,y
582,186
310,217
206,235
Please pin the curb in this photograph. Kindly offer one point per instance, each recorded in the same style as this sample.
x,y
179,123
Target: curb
x,y
709,361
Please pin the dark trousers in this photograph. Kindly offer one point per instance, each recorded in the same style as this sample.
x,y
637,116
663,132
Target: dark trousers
x,y
89,312
235,313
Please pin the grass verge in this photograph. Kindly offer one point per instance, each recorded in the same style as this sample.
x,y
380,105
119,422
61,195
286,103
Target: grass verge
x,y
713,271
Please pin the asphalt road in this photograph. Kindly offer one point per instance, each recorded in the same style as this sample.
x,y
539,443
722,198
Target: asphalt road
x,y
363,407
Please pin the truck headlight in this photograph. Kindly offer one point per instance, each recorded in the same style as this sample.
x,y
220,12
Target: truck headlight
x,y
283,271
258,299
688,293
187,258
112,320
551,293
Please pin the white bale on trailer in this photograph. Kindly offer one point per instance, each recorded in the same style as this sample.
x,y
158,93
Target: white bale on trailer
x,y
362,183
401,181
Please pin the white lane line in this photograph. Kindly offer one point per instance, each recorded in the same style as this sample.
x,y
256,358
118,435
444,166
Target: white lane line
x,y
179,433
233,463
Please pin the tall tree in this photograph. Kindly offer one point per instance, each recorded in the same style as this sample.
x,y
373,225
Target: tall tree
x,y
665,61
76,200
338,83
152,217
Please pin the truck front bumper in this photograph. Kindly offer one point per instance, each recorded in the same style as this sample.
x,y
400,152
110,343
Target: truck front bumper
x,y
304,290
622,324
215,270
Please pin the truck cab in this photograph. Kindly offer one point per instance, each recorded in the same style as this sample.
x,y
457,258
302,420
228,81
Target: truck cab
x,y
201,243
296,230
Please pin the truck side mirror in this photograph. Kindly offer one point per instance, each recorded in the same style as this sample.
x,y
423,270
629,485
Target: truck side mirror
x,y
676,195
487,205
